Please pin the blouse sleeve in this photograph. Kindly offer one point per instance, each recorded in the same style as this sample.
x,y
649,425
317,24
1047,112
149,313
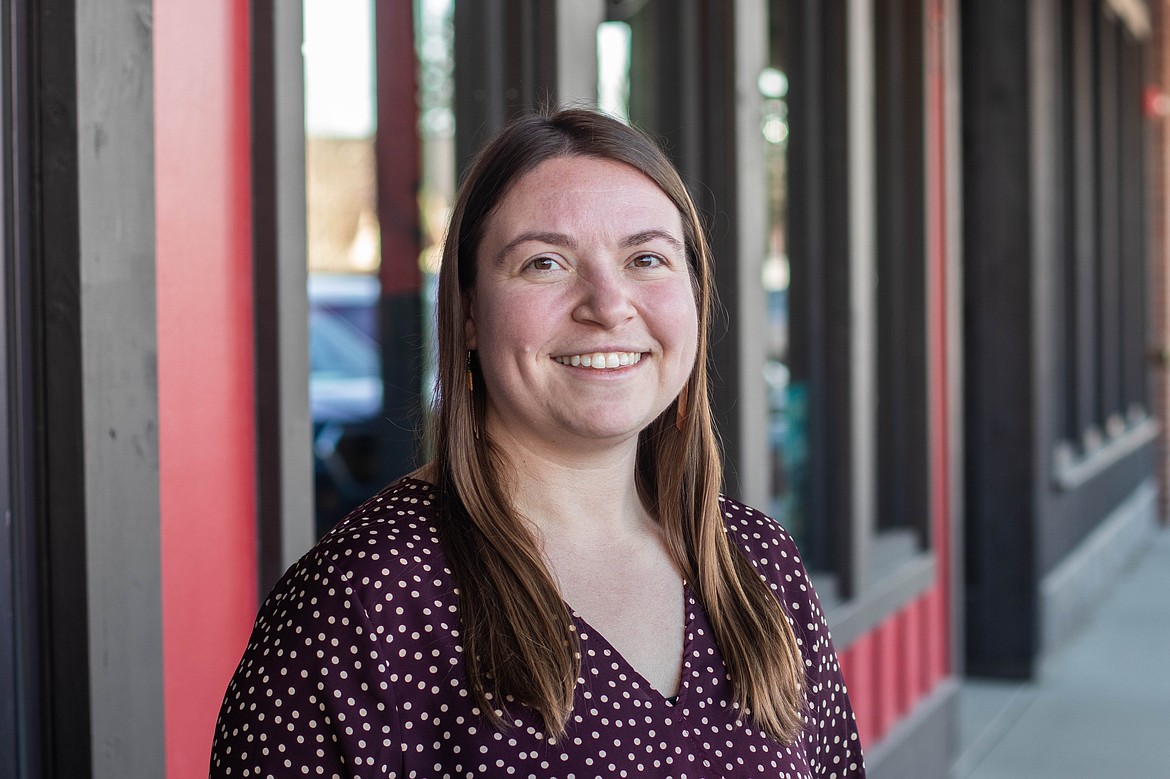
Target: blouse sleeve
x,y
309,695
830,738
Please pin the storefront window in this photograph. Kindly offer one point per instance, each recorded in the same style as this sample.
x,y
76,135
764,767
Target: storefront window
x,y
345,388
436,56
806,278
379,195
787,405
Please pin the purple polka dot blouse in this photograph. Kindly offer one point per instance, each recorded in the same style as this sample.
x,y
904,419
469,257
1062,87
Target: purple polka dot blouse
x,y
354,669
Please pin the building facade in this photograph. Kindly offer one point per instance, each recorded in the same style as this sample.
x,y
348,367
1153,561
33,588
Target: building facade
x,y
940,234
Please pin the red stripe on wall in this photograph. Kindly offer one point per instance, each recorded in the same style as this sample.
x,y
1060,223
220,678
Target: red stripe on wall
x,y
857,664
911,657
904,649
206,417
887,662
920,670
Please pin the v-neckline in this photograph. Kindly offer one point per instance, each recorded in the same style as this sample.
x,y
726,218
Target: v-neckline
x,y
651,692
588,633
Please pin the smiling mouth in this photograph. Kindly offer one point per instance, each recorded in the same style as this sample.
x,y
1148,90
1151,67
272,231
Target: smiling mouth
x,y
601,360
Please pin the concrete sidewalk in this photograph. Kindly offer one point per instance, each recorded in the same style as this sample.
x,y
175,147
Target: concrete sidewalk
x,y
1100,705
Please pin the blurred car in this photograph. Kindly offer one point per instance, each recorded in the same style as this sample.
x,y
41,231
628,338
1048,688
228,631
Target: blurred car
x,y
345,391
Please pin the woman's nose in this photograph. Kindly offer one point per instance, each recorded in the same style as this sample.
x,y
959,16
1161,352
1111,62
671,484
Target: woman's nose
x,y
605,300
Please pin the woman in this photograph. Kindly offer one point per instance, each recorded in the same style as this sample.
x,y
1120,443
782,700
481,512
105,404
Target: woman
x,y
563,591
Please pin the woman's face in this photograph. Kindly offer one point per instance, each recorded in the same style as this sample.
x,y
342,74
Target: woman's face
x,y
583,313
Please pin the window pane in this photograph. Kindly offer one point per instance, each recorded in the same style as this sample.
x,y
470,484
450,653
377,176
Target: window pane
x,y
436,56
902,324
806,277
380,180
787,404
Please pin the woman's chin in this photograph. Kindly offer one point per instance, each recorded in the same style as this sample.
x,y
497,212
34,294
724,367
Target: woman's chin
x,y
593,427
610,429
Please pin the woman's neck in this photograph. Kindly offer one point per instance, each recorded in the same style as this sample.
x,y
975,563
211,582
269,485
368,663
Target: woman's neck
x,y
589,496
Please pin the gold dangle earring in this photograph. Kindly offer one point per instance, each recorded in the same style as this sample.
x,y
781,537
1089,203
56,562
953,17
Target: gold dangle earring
x,y
471,396
680,409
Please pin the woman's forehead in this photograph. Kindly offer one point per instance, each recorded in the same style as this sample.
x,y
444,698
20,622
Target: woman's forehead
x,y
566,194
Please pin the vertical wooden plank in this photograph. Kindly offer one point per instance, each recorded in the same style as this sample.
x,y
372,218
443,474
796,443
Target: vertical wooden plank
x,y
941,340
1083,132
881,649
887,662
938,655
1134,282
1159,233
908,656
1109,216
945,175
861,275
55,391
919,669
857,665
999,381
120,411
750,44
576,51
931,641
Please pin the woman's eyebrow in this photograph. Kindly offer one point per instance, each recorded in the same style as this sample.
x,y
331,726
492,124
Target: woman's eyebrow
x,y
561,239
553,239
647,236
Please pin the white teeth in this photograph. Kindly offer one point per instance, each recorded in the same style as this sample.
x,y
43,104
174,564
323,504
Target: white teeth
x,y
601,360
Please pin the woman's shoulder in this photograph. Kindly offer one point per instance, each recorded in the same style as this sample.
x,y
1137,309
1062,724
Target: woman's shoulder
x,y
393,533
767,546
405,508
753,530
384,556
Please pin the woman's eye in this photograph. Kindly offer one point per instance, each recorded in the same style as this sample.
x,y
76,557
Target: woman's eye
x,y
646,261
543,263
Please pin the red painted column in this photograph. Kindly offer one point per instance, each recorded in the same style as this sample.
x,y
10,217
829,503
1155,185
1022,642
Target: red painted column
x,y
206,416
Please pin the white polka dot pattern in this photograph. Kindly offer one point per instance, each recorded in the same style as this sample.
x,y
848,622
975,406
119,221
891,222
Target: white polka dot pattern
x,y
354,669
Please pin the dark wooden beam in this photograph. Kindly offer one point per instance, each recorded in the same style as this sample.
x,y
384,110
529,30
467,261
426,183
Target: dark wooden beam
x,y
1000,479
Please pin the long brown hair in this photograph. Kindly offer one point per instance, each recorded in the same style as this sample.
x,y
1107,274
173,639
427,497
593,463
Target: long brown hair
x,y
518,637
